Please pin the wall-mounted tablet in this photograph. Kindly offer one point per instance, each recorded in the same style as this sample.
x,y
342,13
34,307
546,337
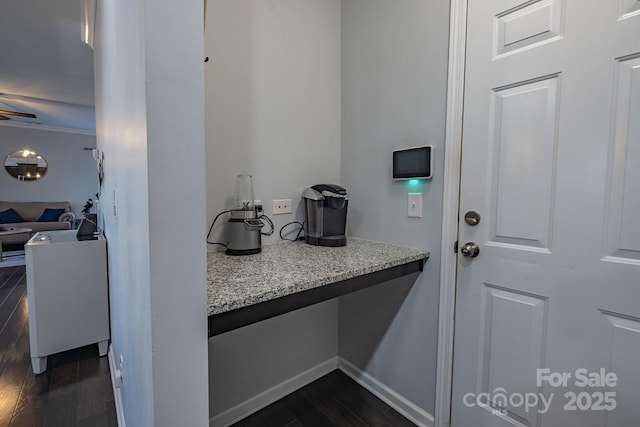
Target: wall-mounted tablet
x,y
413,163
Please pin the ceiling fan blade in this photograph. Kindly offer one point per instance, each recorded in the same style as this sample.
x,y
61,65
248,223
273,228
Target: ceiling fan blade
x,y
17,114
4,118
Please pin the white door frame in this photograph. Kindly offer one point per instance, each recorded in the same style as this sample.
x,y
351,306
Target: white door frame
x,y
450,206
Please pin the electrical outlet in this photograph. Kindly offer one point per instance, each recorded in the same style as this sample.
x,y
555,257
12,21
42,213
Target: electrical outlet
x,y
282,206
118,375
115,201
415,205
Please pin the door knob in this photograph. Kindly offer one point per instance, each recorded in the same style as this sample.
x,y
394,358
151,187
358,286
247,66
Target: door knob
x,y
470,250
472,218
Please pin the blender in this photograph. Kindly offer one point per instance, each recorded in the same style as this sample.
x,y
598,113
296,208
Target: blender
x,y
244,225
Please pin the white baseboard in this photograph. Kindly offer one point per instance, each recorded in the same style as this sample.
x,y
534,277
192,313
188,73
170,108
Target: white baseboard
x,y
404,406
274,394
117,394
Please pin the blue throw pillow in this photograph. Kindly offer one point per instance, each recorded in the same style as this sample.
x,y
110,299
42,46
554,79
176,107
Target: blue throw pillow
x,y
10,216
50,215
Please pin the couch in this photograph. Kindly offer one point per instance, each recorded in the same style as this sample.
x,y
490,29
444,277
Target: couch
x,y
30,213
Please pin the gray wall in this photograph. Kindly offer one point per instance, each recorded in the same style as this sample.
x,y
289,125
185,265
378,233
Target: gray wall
x,y
394,78
149,58
72,173
255,358
272,99
273,111
342,84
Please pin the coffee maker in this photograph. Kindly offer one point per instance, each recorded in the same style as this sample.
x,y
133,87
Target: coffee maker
x,y
244,225
325,215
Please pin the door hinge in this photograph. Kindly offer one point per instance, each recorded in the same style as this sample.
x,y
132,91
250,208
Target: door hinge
x,y
455,247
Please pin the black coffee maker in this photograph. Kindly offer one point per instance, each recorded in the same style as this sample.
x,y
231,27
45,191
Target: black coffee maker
x,y
325,215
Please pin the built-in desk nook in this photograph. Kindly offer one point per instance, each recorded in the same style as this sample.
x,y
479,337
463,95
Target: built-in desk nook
x,y
288,276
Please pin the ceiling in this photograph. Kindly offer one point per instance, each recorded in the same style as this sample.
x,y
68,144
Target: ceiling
x,y
45,69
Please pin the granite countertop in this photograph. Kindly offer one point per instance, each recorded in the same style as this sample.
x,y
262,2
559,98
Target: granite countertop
x,y
287,268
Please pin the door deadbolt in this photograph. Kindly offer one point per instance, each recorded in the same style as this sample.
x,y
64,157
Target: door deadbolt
x,y
470,250
472,218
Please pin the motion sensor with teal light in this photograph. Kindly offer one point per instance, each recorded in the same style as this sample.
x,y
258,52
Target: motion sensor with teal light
x,y
413,164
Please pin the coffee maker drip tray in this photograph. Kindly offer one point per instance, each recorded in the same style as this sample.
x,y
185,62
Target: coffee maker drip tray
x,y
333,241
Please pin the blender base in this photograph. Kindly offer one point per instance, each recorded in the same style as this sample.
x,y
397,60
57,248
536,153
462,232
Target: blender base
x,y
236,252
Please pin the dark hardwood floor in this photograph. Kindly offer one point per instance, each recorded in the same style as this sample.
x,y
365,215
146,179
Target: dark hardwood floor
x,y
75,390
333,400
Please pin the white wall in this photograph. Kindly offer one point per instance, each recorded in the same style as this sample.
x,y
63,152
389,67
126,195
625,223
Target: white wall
x,y
394,69
121,131
148,59
175,76
72,174
273,111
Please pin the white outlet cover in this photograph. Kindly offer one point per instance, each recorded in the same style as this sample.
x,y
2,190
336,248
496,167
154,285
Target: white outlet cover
x,y
115,201
414,205
281,206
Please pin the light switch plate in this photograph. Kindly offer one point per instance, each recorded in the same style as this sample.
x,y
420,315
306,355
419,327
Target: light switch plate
x,y
415,205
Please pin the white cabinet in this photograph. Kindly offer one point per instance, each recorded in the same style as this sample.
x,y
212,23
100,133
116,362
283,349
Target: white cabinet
x,y
68,294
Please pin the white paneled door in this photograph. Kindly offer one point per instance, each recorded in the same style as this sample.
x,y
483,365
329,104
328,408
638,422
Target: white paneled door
x,y
547,326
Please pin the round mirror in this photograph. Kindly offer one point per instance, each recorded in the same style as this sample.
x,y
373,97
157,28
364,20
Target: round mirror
x,y
25,165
